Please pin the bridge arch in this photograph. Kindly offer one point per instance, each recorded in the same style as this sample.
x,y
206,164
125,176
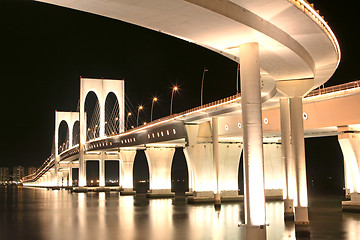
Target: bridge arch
x,y
76,133
69,118
63,136
102,88
112,113
92,111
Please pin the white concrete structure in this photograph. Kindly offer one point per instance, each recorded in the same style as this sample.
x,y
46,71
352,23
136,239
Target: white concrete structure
x,y
101,87
70,118
286,49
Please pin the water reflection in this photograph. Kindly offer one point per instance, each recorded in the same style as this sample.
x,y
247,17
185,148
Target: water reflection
x,y
45,214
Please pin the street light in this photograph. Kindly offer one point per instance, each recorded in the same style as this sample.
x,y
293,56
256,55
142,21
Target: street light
x,y
202,86
127,119
174,89
137,119
152,106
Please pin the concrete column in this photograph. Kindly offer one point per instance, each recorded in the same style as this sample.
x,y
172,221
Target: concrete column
x,y
191,174
350,146
82,123
199,156
56,145
287,159
65,175
298,150
273,171
254,196
70,174
102,170
295,89
215,140
127,158
47,179
229,168
160,160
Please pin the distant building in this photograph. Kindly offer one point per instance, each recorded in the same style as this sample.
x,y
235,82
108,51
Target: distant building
x,y
4,174
18,173
31,170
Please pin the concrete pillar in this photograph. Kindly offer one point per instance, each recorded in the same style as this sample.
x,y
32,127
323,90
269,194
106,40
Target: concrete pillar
x,y
83,130
199,156
65,176
59,179
56,145
160,161
287,159
216,156
254,195
298,150
127,158
350,146
102,170
295,90
229,168
70,174
273,171
191,174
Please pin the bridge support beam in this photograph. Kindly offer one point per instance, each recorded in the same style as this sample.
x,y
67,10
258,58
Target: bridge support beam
x,y
216,158
295,90
287,160
127,158
199,152
254,194
350,146
70,174
160,160
273,171
102,170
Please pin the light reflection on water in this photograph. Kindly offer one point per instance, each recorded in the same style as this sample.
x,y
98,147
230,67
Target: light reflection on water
x,y
28,213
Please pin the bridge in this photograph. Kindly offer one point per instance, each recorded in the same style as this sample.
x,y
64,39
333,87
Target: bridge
x,y
284,49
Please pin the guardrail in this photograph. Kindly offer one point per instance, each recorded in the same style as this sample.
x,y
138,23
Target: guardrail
x,y
336,88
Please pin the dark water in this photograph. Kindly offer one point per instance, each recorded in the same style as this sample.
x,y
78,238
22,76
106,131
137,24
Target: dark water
x,y
28,213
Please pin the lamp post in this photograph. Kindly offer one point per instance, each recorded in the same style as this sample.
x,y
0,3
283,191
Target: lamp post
x,y
152,106
202,86
137,119
174,89
127,119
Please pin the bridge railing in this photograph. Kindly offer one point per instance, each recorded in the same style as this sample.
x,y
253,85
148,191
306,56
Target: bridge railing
x,y
336,88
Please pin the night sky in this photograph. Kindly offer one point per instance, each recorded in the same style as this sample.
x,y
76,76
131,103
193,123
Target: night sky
x,y
45,49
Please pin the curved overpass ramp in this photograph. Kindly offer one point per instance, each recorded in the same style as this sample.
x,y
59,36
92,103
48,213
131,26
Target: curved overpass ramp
x,y
295,41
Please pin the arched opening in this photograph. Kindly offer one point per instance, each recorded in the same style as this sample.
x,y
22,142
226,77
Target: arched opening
x,y
63,136
179,173
92,110
241,175
141,172
112,173
112,118
76,133
92,173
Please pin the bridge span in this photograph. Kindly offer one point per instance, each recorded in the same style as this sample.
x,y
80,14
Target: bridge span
x,y
284,48
327,112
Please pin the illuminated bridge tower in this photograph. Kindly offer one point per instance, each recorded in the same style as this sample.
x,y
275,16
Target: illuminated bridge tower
x,y
70,118
101,88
